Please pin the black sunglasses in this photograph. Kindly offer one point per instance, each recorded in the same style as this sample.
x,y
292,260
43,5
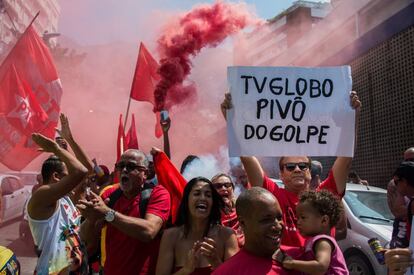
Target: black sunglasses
x,y
129,166
290,166
220,185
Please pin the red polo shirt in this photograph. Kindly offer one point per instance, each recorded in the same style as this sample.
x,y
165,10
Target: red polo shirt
x,y
124,254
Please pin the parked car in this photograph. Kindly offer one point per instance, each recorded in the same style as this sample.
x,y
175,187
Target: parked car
x,y
13,198
368,216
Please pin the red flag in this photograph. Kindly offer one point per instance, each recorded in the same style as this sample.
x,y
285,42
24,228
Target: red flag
x,y
120,141
19,105
131,139
169,177
145,80
36,77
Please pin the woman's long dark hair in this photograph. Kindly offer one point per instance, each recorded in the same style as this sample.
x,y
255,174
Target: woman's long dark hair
x,y
183,216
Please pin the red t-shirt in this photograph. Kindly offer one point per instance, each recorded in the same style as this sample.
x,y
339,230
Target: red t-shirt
x,y
230,220
288,202
124,254
246,263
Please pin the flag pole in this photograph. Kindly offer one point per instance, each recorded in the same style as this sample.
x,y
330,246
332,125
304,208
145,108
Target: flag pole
x,y
127,112
132,86
31,22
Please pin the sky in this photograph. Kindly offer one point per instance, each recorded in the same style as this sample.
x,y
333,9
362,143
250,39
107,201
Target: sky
x,y
91,22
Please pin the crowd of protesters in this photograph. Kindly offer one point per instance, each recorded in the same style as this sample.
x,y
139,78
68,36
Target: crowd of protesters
x,y
86,220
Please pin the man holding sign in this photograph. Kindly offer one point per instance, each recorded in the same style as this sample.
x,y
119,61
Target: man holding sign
x,y
311,101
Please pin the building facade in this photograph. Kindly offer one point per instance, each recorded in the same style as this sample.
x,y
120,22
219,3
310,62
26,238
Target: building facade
x,y
15,16
376,38
280,32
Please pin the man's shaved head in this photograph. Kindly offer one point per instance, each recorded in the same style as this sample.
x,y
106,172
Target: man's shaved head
x,y
137,155
250,197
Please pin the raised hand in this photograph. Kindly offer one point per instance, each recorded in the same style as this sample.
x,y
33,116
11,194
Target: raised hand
x,y
355,102
226,104
45,143
65,131
155,151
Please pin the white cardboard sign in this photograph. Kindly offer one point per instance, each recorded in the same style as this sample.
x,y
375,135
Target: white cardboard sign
x,y
290,111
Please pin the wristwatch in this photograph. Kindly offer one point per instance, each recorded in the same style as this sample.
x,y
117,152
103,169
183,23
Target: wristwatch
x,y
110,215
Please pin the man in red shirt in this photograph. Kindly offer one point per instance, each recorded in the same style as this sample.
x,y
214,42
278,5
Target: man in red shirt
x,y
261,218
296,176
131,240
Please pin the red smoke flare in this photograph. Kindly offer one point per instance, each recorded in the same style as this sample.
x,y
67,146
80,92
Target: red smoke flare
x,y
206,25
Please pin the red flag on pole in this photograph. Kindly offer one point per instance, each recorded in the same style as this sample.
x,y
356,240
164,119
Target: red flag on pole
x,y
120,141
28,70
145,80
131,139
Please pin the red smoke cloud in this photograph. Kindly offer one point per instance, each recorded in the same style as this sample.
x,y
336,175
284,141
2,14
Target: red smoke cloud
x,y
95,93
206,25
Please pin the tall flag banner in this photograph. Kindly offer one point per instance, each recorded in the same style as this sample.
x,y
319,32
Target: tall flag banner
x,y
120,141
30,96
145,79
131,139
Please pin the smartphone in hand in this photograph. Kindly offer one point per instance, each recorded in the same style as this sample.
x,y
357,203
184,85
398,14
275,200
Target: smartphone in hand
x,y
164,116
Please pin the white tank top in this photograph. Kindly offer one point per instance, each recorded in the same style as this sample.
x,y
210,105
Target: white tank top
x,y
56,237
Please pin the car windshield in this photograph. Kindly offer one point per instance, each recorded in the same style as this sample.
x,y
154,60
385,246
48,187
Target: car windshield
x,y
369,206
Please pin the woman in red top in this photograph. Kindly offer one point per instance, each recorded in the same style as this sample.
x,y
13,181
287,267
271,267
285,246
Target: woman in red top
x,y
198,243
224,186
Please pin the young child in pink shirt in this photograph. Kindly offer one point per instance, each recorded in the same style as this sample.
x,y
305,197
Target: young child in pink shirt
x,y
317,213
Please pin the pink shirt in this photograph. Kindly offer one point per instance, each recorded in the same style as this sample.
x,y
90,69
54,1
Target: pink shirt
x,y
337,265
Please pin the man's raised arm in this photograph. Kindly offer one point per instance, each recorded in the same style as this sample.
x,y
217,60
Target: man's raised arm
x,y
251,165
254,170
48,194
